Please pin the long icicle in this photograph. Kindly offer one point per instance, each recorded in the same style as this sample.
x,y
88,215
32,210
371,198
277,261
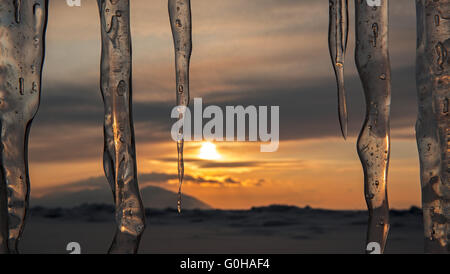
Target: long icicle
x,y
337,43
432,127
119,158
181,24
22,40
372,60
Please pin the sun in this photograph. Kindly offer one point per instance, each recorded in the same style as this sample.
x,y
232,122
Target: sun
x,y
208,151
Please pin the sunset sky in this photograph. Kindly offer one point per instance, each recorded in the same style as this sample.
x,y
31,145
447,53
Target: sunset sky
x,y
253,52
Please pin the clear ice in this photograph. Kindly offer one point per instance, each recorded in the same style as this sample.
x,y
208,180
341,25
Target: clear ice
x,y
432,127
119,157
22,48
337,43
181,24
372,61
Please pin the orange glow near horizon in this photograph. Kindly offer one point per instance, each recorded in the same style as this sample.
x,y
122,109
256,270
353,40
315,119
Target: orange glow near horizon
x,y
290,68
323,173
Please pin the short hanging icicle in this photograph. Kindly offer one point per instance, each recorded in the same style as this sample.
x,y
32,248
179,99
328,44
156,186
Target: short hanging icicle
x,y
119,157
337,43
22,43
180,22
433,123
372,60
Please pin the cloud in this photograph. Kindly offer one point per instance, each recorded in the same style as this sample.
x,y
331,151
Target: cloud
x,y
209,164
307,110
255,52
152,178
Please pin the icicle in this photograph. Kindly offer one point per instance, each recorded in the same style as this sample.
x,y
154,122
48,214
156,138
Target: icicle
x,y
337,42
22,34
119,158
180,160
432,128
372,60
180,21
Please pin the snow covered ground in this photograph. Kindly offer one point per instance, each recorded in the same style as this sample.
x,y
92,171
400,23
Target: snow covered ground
x,y
272,229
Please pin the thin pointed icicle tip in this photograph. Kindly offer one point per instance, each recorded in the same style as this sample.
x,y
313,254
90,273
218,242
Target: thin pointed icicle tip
x,y
181,25
337,44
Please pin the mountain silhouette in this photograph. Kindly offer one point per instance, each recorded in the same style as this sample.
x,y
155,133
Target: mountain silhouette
x,y
152,197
